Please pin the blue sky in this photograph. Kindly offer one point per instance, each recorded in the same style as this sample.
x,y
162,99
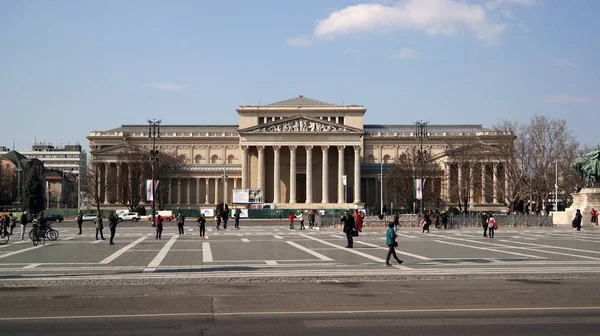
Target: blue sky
x,y
70,67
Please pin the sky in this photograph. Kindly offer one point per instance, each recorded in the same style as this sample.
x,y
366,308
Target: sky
x,y
70,67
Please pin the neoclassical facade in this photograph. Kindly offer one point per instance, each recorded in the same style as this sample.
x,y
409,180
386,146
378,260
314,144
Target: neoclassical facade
x,y
300,151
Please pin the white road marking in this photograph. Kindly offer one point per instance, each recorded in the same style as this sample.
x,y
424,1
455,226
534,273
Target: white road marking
x,y
30,266
118,253
23,250
245,240
206,252
190,229
555,247
160,256
489,249
271,262
96,242
277,237
309,251
338,236
69,238
416,256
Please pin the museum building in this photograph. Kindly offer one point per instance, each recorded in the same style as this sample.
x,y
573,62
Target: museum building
x,y
303,153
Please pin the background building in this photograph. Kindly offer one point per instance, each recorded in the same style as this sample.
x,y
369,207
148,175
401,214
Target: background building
x,y
15,170
68,158
300,152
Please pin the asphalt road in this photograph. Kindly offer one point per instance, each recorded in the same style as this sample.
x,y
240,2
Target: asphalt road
x,y
451,307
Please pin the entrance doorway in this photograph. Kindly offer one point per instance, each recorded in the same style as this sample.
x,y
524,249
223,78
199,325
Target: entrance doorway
x,y
300,188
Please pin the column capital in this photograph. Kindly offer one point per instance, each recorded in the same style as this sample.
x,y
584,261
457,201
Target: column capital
x,y
325,148
293,148
260,148
357,148
308,148
244,148
341,147
276,148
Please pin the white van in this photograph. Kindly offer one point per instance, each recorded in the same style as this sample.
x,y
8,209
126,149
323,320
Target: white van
x,y
167,215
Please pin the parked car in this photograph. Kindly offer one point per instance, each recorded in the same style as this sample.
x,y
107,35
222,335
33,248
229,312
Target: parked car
x,y
167,215
89,217
129,216
55,218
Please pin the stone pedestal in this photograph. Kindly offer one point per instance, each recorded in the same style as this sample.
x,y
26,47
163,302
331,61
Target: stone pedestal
x,y
585,200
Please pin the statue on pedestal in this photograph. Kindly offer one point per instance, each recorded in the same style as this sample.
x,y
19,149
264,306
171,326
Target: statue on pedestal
x,y
588,165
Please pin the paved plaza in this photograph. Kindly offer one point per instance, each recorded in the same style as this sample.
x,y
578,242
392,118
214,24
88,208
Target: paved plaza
x,y
274,251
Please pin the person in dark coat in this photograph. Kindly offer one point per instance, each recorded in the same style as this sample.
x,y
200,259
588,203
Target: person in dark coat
x,y
112,226
79,220
484,223
349,226
577,220
159,227
99,226
225,216
24,221
202,225
236,217
180,220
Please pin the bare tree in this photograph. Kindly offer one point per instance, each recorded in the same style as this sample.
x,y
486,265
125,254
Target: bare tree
x,y
137,162
93,186
168,167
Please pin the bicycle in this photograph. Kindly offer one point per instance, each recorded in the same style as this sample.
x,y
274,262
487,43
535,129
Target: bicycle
x,y
36,235
4,236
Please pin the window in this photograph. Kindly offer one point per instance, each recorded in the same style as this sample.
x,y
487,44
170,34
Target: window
x,y
214,159
230,159
341,120
198,158
370,159
386,159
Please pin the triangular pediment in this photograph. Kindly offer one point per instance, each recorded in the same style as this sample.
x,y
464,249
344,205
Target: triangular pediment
x,y
117,149
301,101
300,124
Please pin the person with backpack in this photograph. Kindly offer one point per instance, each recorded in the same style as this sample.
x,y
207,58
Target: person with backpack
x,y
390,241
202,225
112,226
79,220
491,224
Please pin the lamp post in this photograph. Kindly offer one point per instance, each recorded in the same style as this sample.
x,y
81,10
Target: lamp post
x,y
224,183
18,169
153,133
421,135
556,185
79,183
381,187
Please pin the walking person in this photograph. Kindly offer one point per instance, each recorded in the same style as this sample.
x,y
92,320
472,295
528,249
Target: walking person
x,y
159,227
13,222
225,216
426,222
436,218
180,223
390,241
358,218
23,221
484,223
79,220
491,224
311,218
218,220
291,219
348,228
202,224
444,216
301,219
236,218
593,214
99,226
396,221
112,226
577,220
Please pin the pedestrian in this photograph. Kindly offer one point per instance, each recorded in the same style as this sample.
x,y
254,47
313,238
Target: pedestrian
x,y
396,222
236,218
218,219
359,220
291,219
159,227
436,218
348,228
79,220
390,241
426,222
180,223
491,224
5,223
23,224
301,219
593,214
484,223
225,216
444,217
202,224
311,218
112,226
99,226
13,222
577,220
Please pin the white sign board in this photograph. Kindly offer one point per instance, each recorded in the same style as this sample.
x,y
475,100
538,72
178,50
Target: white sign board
x,y
248,196
208,212
344,179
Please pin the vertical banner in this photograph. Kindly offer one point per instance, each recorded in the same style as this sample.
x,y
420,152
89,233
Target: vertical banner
x,y
418,189
149,194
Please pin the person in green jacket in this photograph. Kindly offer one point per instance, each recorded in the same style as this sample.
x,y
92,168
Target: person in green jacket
x,y
99,226
391,243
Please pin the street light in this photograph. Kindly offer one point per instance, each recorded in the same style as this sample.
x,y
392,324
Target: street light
x,y
381,187
153,133
556,185
224,183
421,135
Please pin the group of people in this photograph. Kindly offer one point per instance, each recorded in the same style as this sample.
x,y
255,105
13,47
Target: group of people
x,y
489,225
9,221
113,221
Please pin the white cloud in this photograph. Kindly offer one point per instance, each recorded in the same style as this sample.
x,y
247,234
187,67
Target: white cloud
x,y
507,13
561,62
567,99
351,51
524,28
299,41
499,3
434,17
166,86
407,54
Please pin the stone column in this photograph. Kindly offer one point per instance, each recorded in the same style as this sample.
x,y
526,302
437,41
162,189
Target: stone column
x,y
277,173
471,185
368,189
235,183
356,174
244,167
483,200
178,191
309,174
106,182
189,191
225,190
130,183
207,189
261,168
197,191
325,178
447,177
170,200
118,186
460,188
494,182
340,173
217,190
292,174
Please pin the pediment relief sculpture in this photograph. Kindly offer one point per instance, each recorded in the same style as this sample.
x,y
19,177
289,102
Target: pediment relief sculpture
x,y
302,125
